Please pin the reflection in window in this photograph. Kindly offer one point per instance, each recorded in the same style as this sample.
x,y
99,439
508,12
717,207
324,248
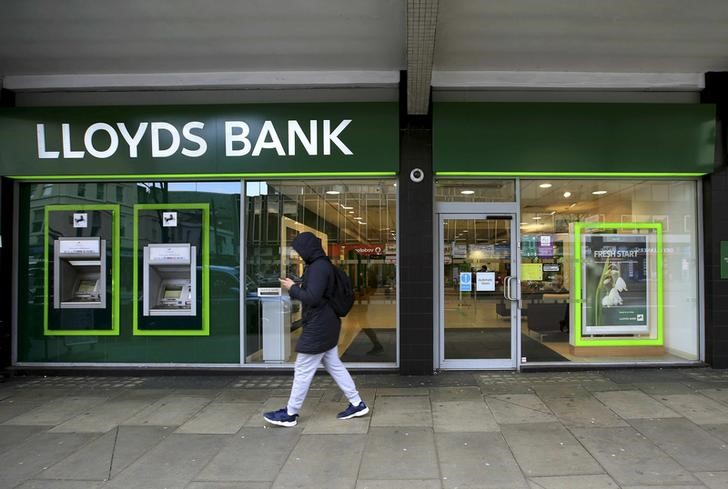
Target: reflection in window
x,y
356,221
619,224
475,190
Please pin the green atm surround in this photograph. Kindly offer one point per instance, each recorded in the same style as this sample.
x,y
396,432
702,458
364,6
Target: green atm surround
x,y
115,250
580,340
204,286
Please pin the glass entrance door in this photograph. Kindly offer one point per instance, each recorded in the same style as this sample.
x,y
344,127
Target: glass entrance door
x,y
479,311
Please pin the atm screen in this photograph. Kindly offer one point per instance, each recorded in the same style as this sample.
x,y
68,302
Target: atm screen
x,y
86,287
172,293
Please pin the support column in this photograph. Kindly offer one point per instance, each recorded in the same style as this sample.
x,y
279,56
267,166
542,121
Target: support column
x,y
715,224
415,237
7,99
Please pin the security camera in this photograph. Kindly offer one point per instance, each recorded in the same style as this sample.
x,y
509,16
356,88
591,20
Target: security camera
x,y
417,175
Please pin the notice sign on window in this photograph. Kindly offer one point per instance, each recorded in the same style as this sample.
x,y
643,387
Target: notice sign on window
x,y
532,272
485,281
466,282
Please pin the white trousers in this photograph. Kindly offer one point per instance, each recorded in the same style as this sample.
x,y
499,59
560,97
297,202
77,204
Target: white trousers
x,y
306,365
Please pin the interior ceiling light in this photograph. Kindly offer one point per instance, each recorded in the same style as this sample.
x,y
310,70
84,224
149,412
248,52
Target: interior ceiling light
x,y
362,222
347,207
351,212
553,212
567,195
537,218
524,223
572,205
333,192
545,185
358,218
599,192
467,192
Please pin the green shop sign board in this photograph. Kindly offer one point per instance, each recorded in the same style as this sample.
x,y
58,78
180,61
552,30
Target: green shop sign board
x,y
573,139
220,140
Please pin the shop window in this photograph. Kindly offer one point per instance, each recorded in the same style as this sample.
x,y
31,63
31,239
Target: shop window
x,y
99,191
356,222
92,321
609,271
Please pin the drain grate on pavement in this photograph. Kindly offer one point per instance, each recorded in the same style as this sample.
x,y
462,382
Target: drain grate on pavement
x,y
541,378
82,382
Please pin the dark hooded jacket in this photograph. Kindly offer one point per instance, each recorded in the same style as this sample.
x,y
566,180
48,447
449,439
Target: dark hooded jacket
x,y
321,325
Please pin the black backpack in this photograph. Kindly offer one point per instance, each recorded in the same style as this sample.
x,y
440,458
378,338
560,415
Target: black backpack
x,y
341,298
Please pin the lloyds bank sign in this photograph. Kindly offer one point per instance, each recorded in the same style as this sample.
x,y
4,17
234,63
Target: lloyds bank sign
x,y
357,138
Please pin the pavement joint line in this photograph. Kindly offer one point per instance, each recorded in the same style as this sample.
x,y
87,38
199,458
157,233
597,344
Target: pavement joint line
x,y
113,452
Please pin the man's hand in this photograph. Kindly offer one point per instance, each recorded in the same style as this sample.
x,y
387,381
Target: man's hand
x,y
286,283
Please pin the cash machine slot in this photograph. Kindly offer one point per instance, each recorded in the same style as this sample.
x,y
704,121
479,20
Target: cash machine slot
x,y
79,273
170,280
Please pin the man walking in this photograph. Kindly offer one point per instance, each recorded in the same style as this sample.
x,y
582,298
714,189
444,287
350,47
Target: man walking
x,y
317,343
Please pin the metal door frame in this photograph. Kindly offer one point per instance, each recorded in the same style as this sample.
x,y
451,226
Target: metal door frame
x,y
477,211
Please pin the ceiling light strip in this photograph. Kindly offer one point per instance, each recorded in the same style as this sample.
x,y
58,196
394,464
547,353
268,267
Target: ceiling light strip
x,y
542,80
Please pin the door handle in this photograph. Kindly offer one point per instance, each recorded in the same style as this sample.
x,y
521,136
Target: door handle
x,y
508,288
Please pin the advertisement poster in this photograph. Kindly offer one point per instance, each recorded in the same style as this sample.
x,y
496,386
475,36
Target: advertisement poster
x,y
615,286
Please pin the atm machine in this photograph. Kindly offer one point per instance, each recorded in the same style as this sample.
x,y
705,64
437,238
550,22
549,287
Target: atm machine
x,y
170,280
79,273
276,324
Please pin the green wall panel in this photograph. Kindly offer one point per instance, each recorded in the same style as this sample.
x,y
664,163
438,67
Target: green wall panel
x,y
573,138
104,223
222,345
193,228
372,137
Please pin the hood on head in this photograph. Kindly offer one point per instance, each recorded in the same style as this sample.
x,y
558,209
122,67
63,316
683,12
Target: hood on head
x,y
308,245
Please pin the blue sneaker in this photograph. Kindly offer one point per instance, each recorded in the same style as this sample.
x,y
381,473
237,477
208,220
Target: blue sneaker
x,y
281,418
353,411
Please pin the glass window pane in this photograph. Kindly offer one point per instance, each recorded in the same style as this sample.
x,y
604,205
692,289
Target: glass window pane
x,y
38,340
476,261
609,270
356,222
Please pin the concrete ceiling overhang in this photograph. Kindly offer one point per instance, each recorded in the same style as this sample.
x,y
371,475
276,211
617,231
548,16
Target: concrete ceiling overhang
x,y
77,45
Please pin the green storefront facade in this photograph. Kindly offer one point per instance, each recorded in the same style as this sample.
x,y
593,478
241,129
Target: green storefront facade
x,y
522,198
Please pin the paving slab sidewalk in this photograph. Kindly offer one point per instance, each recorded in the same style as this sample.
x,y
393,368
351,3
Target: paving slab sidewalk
x,y
587,430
